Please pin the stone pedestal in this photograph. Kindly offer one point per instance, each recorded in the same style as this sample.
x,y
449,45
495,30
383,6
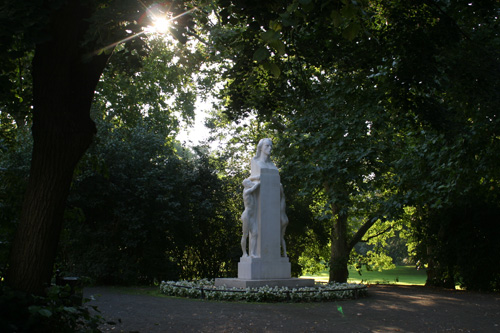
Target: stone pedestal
x,y
243,283
268,264
268,215
261,268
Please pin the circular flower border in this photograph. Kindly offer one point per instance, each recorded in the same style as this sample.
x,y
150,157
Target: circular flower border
x,y
206,289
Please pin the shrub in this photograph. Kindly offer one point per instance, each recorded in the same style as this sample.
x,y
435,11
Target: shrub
x,y
55,312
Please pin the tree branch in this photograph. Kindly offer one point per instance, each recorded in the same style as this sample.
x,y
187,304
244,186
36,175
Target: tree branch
x,y
192,34
380,233
361,232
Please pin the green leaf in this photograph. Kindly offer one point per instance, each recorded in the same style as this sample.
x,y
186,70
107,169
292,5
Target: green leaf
x,y
279,46
307,5
287,20
19,98
250,80
70,309
261,54
337,18
45,312
270,35
351,31
292,7
274,25
348,11
272,68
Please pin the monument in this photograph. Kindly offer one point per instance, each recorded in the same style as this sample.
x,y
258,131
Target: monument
x,y
264,223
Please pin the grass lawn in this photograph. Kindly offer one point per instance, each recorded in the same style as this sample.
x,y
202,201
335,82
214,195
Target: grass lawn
x,y
399,275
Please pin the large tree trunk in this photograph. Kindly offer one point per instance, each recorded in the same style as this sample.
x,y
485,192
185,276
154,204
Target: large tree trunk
x,y
342,242
63,87
340,249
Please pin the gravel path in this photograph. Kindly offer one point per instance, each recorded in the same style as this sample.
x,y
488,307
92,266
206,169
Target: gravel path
x,y
387,308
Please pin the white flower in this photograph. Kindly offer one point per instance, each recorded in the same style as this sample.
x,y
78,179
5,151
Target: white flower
x,y
206,288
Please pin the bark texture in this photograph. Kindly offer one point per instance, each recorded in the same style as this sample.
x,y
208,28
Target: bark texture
x,y
340,247
64,80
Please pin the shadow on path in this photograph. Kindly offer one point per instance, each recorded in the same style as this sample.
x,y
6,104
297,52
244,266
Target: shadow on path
x,y
388,308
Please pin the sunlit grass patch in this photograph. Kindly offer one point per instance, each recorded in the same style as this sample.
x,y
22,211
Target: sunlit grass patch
x,y
404,275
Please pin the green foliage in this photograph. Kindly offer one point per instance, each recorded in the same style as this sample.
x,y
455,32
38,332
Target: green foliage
x,y
125,196
459,241
211,246
304,232
142,208
139,212
402,116
156,85
447,171
15,95
314,257
55,312
14,170
374,106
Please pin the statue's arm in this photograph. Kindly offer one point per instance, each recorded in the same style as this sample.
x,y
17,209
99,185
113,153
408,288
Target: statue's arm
x,y
253,188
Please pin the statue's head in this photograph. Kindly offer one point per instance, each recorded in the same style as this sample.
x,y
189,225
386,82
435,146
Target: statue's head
x,y
260,145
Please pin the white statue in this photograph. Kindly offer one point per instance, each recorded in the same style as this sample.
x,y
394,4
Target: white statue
x,y
262,158
249,217
264,219
249,220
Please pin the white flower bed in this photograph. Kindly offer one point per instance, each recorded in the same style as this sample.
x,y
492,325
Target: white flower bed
x,y
207,290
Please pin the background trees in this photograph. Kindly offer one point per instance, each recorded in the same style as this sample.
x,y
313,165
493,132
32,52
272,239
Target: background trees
x,y
69,41
139,212
142,208
449,96
376,106
384,117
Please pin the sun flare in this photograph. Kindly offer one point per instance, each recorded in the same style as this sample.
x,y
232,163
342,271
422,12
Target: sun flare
x,y
161,24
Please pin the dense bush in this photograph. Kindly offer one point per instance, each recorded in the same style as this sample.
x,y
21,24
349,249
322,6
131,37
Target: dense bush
x,y
140,212
460,244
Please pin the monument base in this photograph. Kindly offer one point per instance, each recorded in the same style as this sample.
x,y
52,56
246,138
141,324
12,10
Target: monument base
x,y
243,283
258,269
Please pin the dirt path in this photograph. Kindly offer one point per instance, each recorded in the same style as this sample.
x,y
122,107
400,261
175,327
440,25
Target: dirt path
x,y
388,308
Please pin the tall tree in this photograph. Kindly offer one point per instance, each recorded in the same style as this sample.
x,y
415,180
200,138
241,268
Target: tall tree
x,y
444,75
358,86
72,42
308,84
63,85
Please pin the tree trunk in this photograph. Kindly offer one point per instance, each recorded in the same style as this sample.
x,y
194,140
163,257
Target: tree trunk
x,y
340,249
63,89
